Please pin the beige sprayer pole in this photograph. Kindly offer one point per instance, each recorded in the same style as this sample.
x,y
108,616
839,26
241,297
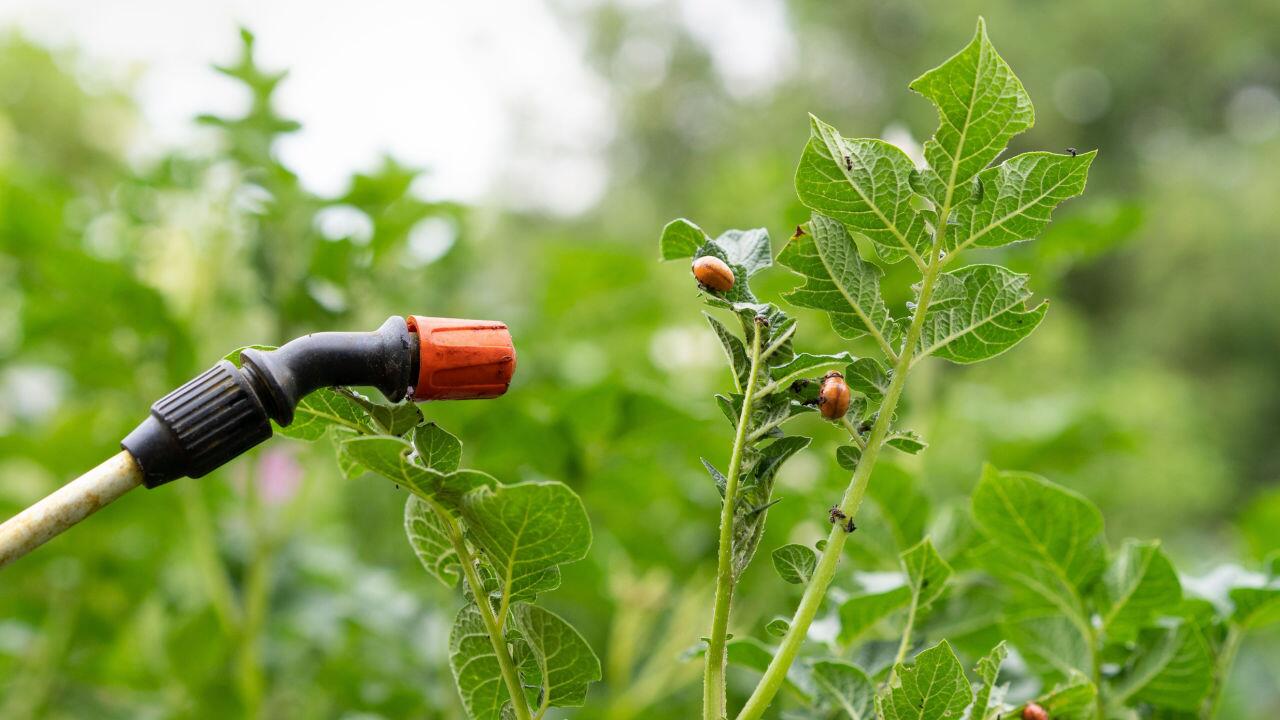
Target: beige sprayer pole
x,y
67,506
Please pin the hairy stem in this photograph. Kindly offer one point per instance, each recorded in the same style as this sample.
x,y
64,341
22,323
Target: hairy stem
x,y
713,678
816,591
491,623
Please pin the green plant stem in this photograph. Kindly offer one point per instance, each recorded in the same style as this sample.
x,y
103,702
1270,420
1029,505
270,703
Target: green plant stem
x,y
713,679
816,591
1222,669
906,639
491,624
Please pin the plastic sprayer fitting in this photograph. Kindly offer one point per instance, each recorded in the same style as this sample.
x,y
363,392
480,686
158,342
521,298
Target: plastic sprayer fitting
x,y
228,409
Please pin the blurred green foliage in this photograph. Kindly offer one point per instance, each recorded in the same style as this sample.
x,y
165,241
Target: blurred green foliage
x,y
275,588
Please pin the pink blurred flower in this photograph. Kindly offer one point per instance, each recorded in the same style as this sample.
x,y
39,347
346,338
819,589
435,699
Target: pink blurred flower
x,y
279,475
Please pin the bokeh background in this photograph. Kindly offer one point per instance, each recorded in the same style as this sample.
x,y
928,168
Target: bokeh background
x,y
519,163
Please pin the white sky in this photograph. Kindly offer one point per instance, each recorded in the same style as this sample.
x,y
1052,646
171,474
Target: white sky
x,y
488,96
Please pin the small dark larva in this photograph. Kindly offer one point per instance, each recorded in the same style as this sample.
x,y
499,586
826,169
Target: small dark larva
x,y
713,273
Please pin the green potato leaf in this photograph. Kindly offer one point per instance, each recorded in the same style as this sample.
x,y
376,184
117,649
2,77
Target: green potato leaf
x,y
838,281
981,106
557,661
983,315
1017,199
843,690
476,671
430,541
933,687
795,563
526,532
865,184
1139,585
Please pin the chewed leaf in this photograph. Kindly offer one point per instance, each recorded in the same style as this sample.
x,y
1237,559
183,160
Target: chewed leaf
x,y
987,320
795,563
527,531
390,457
562,664
981,106
475,667
1018,198
430,541
866,185
838,281
931,688
681,239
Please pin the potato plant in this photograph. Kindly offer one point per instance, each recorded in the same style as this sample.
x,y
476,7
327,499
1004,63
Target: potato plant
x,y
503,543
1097,632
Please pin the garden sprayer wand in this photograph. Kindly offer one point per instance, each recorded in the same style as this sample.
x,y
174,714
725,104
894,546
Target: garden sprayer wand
x,y
227,410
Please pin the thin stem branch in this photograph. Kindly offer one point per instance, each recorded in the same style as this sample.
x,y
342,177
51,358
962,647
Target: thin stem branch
x,y
491,624
1221,671
825,571
853,433
905,645
713,679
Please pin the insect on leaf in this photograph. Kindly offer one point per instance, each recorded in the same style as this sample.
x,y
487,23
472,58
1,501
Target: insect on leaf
x,y
866,185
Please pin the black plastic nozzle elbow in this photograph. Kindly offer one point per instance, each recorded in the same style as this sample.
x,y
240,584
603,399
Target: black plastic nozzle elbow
x,y
226,410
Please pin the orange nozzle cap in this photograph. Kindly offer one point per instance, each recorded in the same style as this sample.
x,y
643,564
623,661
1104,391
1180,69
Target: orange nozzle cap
x,y
462,359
